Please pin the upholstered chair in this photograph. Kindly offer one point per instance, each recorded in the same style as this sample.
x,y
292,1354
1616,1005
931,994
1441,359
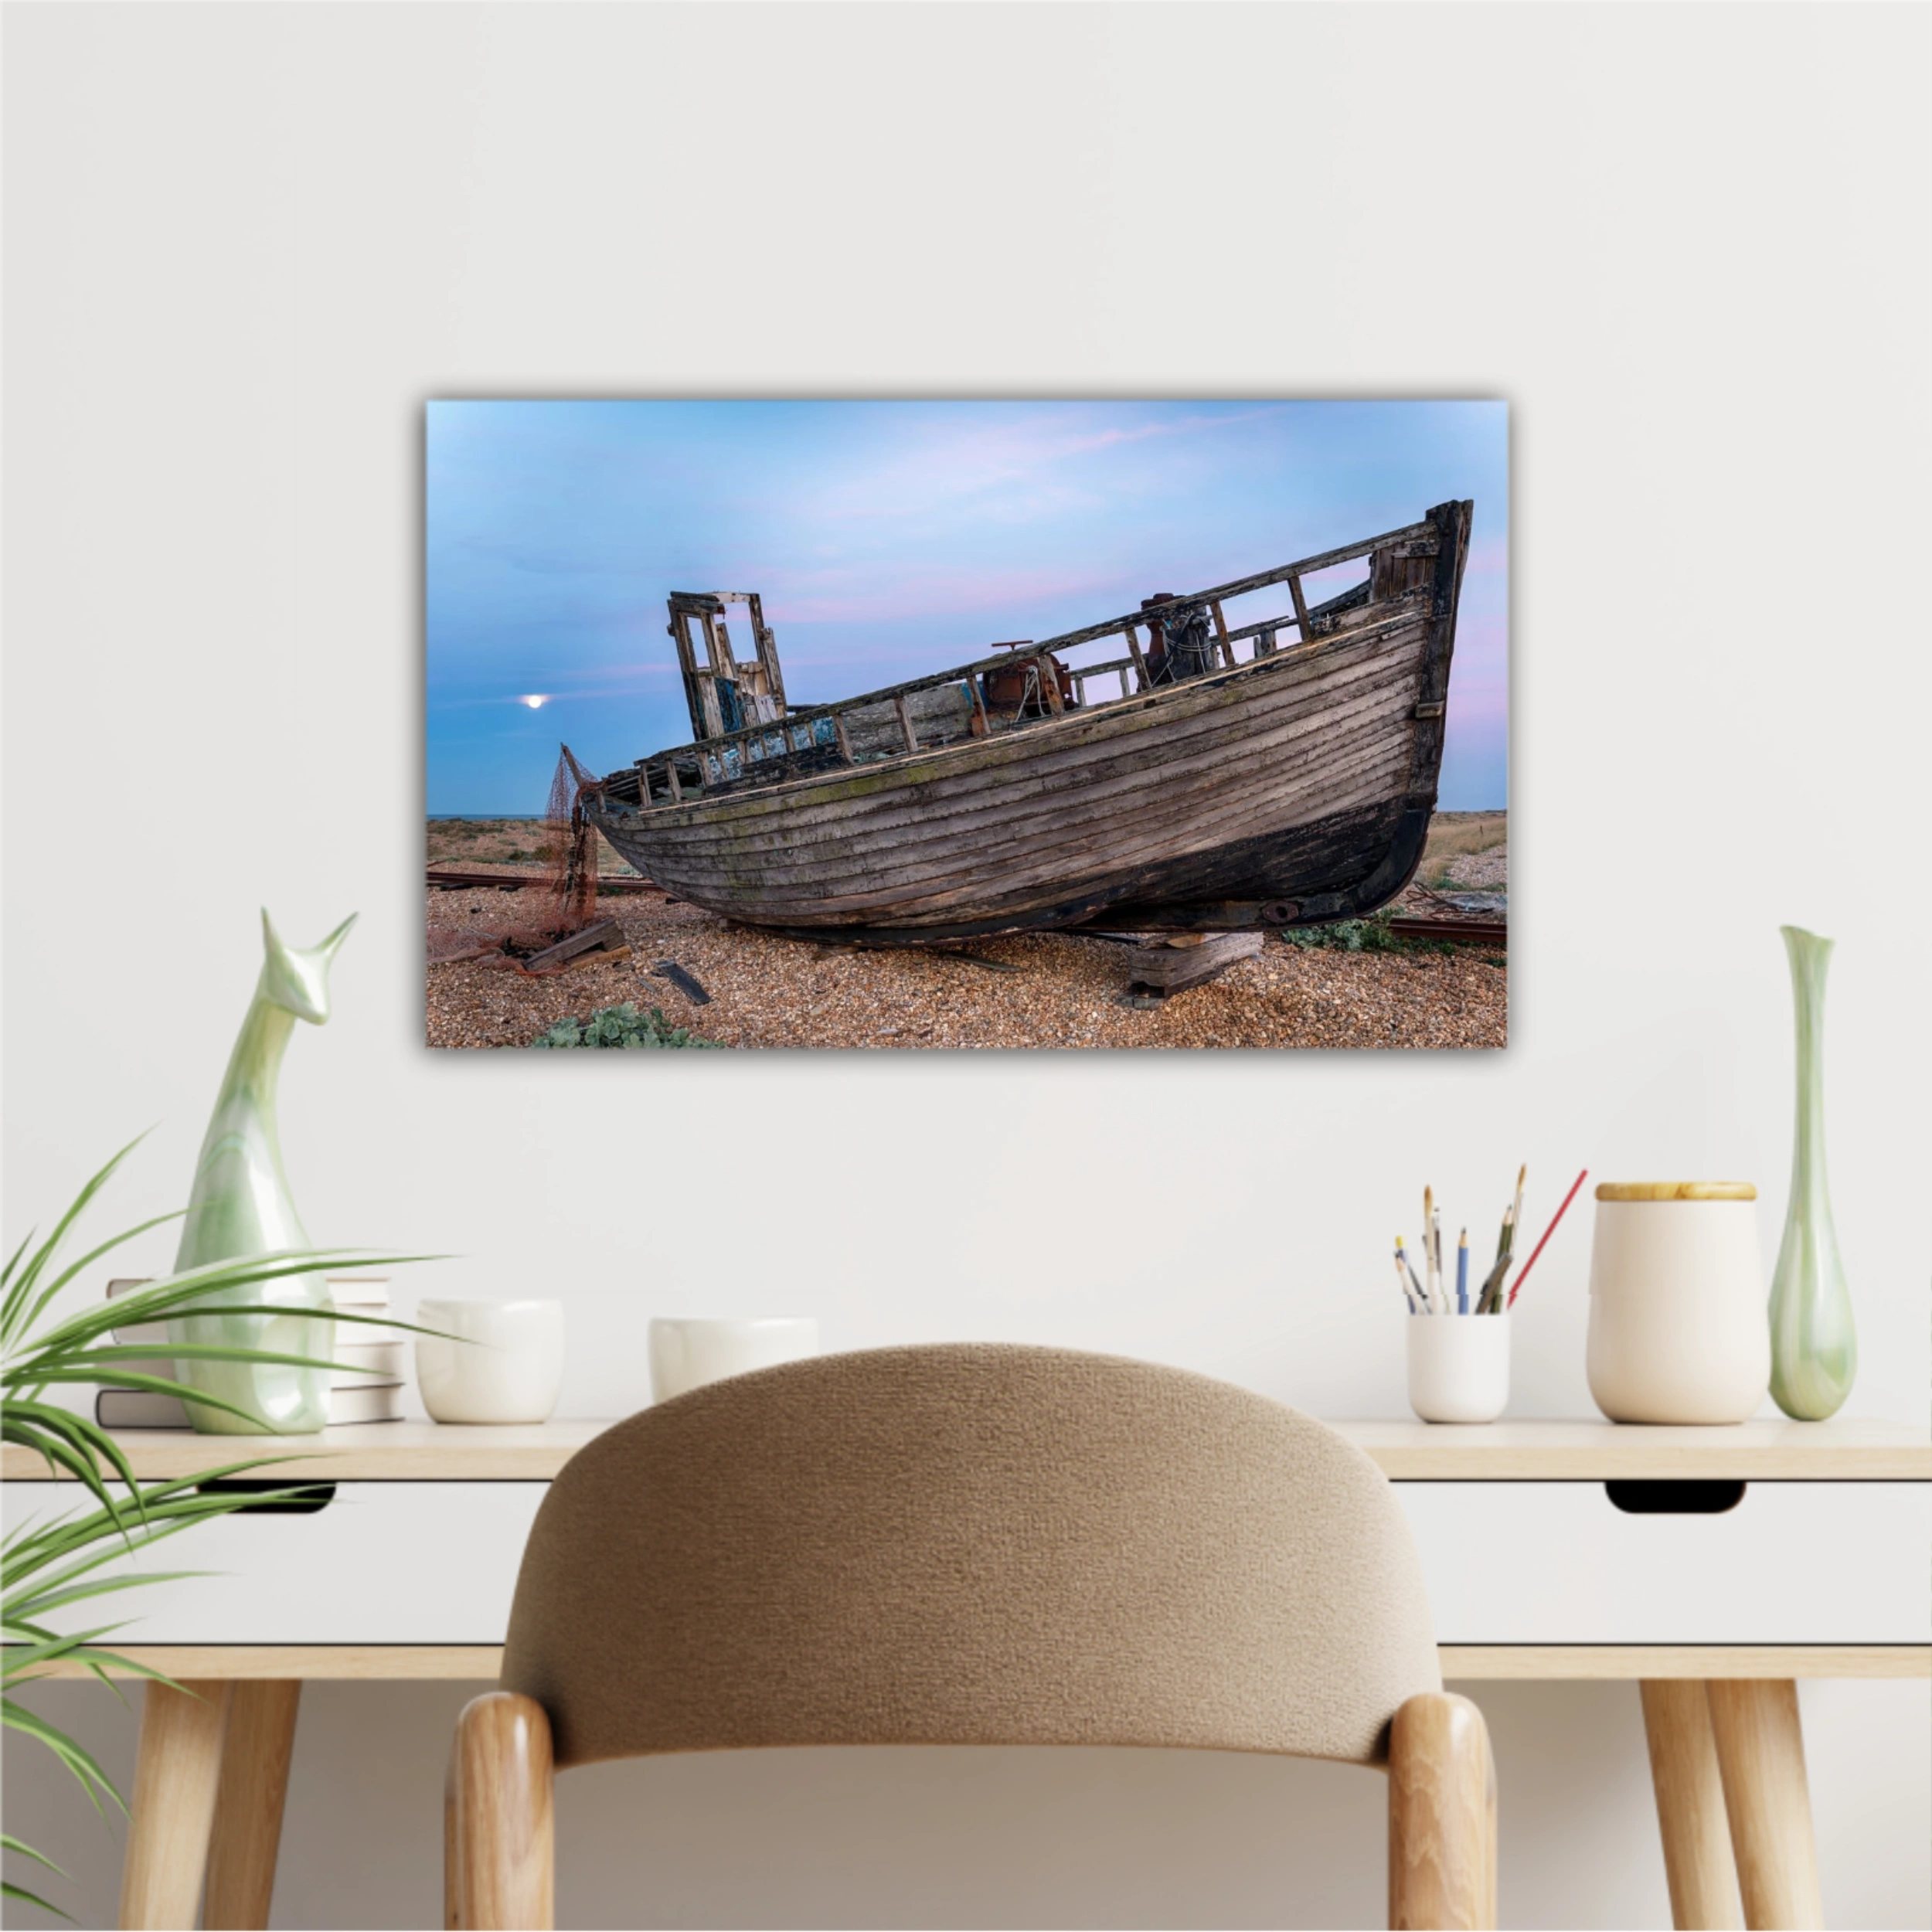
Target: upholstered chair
x,y
970,1545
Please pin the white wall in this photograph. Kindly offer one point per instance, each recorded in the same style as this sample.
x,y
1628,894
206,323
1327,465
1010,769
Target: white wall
x,y
247,243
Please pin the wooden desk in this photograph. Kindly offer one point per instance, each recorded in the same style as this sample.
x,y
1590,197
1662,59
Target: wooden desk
x,y
1553,1550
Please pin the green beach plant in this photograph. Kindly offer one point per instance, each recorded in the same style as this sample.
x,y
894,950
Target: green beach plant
x,y
1370,935
620,1026
79,1556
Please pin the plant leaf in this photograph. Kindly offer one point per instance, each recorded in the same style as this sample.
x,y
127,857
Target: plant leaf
x,y
185,1351
81,1763
81,1433
171,1506
52,1444
9,1843
48,1646
163,1297
13,1308
67,1274
47,1600
9,1890
13,1259
159,1385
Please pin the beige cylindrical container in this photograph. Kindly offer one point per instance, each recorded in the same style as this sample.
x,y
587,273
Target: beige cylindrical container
x,y
1678,1330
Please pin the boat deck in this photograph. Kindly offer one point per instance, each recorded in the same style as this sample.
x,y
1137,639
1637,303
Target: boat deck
x,y
1018,685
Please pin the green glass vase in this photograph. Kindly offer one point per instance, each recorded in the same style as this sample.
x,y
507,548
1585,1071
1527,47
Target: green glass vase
x,y
1814,1349
241,1205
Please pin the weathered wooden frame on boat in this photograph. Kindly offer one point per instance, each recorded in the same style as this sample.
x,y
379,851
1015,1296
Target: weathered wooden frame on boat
x,y
1196,805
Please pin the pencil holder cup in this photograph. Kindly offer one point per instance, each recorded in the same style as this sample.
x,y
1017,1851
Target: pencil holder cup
x,y
1458,1366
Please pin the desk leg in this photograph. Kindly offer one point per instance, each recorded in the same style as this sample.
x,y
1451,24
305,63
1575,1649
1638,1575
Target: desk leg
x,y
248,1806
176,1771
1761,1750
1690,1805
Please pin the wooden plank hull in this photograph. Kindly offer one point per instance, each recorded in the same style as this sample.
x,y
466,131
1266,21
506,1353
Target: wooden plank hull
x,y
1295,788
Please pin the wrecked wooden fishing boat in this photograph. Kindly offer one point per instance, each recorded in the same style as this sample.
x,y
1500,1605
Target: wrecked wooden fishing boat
x,y
1280,772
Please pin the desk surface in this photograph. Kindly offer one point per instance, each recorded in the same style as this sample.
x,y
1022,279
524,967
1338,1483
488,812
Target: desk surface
x,y
1764,1452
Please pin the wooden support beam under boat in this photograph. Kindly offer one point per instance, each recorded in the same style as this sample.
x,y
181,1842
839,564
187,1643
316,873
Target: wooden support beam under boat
x,y
1132,632
605,936
843,736
1159,968
905,723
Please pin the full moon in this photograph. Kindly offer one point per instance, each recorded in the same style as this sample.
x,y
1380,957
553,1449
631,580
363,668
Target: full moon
x,y
535,702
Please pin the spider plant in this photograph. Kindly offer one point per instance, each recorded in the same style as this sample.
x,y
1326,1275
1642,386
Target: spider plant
x,y
46,1566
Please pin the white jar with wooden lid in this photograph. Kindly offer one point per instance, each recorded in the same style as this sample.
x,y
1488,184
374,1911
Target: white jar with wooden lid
x,y
1678,1330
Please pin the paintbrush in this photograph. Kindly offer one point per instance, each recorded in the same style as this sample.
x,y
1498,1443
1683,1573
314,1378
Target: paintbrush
x,y
1402,1258
1462,1274
1402,1279
1488,1301
1429,1256
1517,1289
1435,1255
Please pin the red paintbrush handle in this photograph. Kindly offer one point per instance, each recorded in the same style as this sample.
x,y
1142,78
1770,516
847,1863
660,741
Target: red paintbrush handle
x,y
1516,1288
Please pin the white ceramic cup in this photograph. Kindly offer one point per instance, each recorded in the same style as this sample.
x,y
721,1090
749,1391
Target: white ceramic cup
x,y
686,1355
1458,1366
493,1362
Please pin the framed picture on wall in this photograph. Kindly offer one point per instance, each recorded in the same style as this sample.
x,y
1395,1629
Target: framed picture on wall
x,y
948,724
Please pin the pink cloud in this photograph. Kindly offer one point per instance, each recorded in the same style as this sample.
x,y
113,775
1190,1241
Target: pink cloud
x,y
857,597
991,459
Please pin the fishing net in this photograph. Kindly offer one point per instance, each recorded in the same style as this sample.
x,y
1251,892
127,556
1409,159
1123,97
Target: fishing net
x,y
570,847
525,914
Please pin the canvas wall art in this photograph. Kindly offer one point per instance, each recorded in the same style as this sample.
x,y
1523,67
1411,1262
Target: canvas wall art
x,y
890,724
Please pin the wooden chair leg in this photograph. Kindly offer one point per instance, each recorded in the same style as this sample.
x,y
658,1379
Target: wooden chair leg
x,y
1761,1751
248,1804
1690,1805
1491,1848
505,1862
452,1865
1442,1816
177,1769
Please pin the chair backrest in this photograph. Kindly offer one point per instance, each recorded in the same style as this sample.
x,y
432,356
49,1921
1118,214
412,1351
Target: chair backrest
x,y
970,1544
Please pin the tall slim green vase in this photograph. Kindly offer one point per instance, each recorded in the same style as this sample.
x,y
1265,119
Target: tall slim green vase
x,y
241,1205
1814,1348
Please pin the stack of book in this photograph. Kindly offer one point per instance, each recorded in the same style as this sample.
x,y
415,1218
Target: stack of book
x,y
367,1385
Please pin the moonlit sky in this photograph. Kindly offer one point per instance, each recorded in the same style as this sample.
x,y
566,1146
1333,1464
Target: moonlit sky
x,y
890,540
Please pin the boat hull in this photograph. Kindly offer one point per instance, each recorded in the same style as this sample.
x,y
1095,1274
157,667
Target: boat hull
x,y
1290,790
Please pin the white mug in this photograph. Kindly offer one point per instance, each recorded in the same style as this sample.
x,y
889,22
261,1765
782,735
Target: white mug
x,y
686,1355
493,1362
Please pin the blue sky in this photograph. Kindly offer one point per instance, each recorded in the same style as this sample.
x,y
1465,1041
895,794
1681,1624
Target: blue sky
x,y
891,538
